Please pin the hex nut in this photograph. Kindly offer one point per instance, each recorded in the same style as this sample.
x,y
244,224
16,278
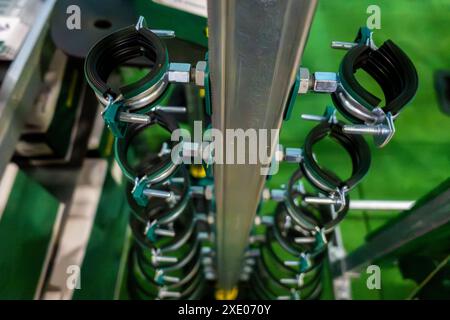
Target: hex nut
x,y
293,155
304,81
180,72
325,82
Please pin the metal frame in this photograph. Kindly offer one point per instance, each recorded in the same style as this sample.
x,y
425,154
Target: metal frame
x,y
74,238
21,84
426,216
255,48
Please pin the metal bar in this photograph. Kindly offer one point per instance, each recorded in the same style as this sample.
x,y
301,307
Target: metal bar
x,y
6,185
381,205
21,85
255,48
76,230
342,288
427,216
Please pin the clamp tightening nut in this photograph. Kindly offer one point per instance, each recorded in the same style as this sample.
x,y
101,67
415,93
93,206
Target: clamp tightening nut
x,y
180,72
293,155
325,82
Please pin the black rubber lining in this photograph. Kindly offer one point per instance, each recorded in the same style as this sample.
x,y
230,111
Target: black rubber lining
x,y
355,146
391,69
119,47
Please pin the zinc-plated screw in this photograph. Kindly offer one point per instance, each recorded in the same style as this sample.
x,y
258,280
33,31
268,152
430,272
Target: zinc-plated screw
x,y
298,280
304,240
382,133
312,117
158,193
322,200
164,33
343,45
163,293
160,273
170,109
165,233
156,259
374,130
134,118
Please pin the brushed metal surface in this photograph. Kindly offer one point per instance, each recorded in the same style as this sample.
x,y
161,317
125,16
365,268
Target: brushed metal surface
x,y
255,48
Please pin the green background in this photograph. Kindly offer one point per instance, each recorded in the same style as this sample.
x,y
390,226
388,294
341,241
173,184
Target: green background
x,y
418,157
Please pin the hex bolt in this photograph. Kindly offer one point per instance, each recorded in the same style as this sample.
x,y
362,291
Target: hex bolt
x,y
366,129
171,109
171,279
160,274
289,281
382,132
164,33
343,45
144,119
312,117
168,294
165,233
177,180
134,118
322,200
298,280
158,193
304,240
291,263
157,259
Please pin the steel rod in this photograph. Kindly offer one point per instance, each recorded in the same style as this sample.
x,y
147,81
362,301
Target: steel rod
x,y
381,205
